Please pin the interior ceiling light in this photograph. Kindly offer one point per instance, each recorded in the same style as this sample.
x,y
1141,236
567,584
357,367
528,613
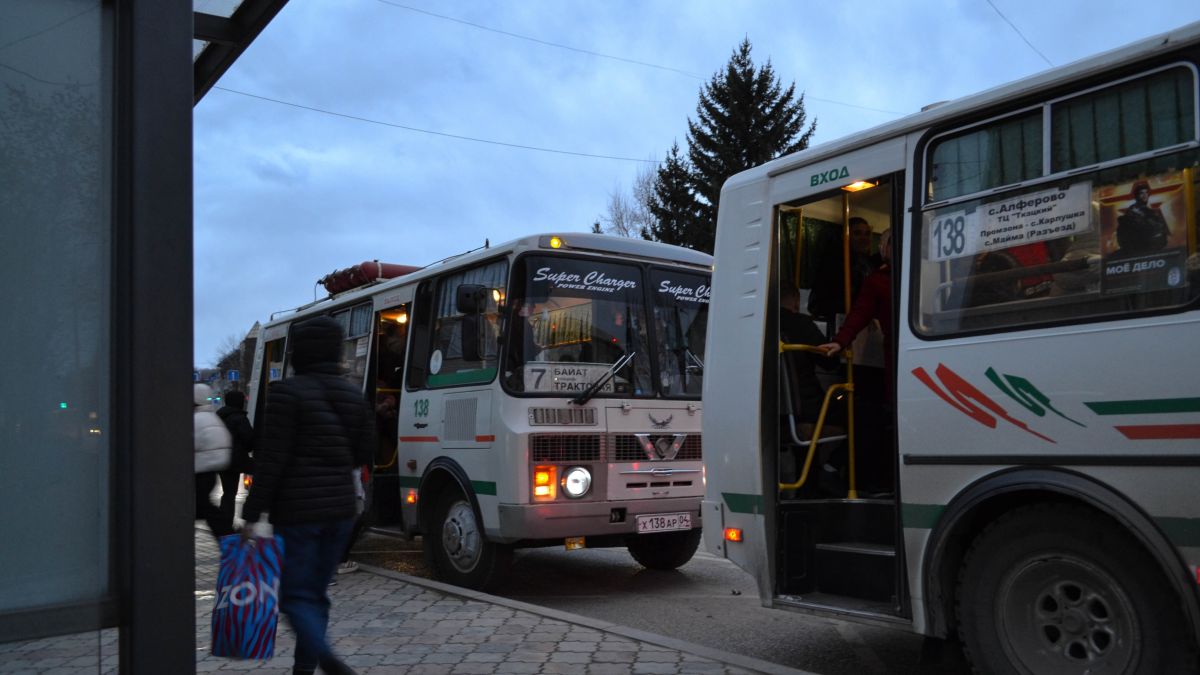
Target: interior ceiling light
x,y
860,185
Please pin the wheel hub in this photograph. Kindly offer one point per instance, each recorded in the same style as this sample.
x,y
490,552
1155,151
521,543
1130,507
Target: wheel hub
x,y
452,536
461,538
1063,615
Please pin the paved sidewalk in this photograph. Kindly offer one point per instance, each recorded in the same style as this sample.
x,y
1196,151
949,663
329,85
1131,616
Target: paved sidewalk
x,y
387,622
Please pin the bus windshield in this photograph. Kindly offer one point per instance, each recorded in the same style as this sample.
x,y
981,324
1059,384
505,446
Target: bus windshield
x,y
570,321
680,321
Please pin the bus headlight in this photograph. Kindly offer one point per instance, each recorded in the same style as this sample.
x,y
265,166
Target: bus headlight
x,y
576,482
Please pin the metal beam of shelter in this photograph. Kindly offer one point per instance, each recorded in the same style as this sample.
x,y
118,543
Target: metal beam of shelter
x,y
221,31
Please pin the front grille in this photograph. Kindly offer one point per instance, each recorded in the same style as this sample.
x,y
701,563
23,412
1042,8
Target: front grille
x,y
565,448
692,448
627,448
611,448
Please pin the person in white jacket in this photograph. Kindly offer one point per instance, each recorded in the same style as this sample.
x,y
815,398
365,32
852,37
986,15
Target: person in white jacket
x,y
213,450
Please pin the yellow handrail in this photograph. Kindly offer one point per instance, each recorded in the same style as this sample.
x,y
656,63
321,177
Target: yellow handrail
x,y
848,387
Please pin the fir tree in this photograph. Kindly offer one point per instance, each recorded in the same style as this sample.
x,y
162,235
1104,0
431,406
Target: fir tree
x,y
744,118
673,206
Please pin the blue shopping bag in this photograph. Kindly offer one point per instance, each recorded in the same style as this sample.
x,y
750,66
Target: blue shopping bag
x,y
246,611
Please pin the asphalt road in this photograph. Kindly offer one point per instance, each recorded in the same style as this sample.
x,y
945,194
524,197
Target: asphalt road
x,y
708,601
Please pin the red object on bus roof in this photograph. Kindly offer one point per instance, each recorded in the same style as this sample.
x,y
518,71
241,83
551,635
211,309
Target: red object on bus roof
x,y
340,281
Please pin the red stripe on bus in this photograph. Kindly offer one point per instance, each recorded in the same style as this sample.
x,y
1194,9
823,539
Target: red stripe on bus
x,y
485,439
418,439
1160,431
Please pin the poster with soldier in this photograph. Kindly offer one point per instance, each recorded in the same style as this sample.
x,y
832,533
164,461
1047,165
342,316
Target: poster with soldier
x,y
1143,234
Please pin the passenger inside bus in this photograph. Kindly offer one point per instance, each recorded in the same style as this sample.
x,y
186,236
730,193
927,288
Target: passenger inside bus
x,y
874,303
999,276
827,297
796,328
392,343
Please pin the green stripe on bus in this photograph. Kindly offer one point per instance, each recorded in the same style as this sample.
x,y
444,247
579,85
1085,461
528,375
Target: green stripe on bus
x,y
1147,406
410,481
484,487
1181,531
920,516
462,377
740,503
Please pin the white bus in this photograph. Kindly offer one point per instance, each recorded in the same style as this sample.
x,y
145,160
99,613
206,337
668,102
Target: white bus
x,y
541,392
1012,458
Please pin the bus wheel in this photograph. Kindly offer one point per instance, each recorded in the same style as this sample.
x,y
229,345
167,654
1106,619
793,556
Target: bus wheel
x,y
664,551
458,550
1053,589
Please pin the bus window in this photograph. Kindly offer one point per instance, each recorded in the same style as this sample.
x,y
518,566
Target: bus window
x,y
393,341
272,370
447,365
680,319
1148,113
356,326
586,313
274,358
1001,153
1101,244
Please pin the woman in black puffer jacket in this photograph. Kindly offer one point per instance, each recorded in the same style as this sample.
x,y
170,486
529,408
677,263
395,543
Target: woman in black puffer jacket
x,y
316,429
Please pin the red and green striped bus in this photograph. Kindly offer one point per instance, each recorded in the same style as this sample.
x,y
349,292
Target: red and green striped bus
x,y
1004,448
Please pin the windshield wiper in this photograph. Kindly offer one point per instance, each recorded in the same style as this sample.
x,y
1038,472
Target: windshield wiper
x,y
595,387
694,364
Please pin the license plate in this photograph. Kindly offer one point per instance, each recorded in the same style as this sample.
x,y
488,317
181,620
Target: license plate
x,y
664,522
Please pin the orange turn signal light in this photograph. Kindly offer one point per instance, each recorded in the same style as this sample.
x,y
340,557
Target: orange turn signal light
x,y
410,497
545,480
733,534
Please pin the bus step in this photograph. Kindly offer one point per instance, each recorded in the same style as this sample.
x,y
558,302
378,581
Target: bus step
x,y
856,569
868,521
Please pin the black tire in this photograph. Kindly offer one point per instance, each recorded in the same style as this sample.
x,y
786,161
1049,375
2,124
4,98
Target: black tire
x,y
665,550
1057,590
457,549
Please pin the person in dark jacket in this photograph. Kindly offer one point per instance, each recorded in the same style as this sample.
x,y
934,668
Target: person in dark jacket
x,y
233,414
316,429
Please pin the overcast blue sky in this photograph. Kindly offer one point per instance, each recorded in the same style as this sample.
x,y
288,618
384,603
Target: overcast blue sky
x,y
285,194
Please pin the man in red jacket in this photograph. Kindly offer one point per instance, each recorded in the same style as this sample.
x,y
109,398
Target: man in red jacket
x,y
874,302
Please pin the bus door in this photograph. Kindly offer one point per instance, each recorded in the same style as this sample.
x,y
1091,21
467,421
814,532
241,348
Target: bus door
x,y
385,389
268,367
835,451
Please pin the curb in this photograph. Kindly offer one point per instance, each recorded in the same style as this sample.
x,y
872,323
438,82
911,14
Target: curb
x,y
729,658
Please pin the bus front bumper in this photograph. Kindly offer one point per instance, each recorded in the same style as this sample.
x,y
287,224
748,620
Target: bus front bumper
x,y
560,520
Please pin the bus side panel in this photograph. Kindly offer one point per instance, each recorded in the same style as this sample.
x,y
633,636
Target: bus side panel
x,y
1090,392
733,452
467,437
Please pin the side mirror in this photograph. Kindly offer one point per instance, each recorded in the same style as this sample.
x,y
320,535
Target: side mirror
x,y
471,299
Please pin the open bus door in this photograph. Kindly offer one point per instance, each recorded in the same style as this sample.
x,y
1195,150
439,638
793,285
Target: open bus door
x,y
834,453
385,390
